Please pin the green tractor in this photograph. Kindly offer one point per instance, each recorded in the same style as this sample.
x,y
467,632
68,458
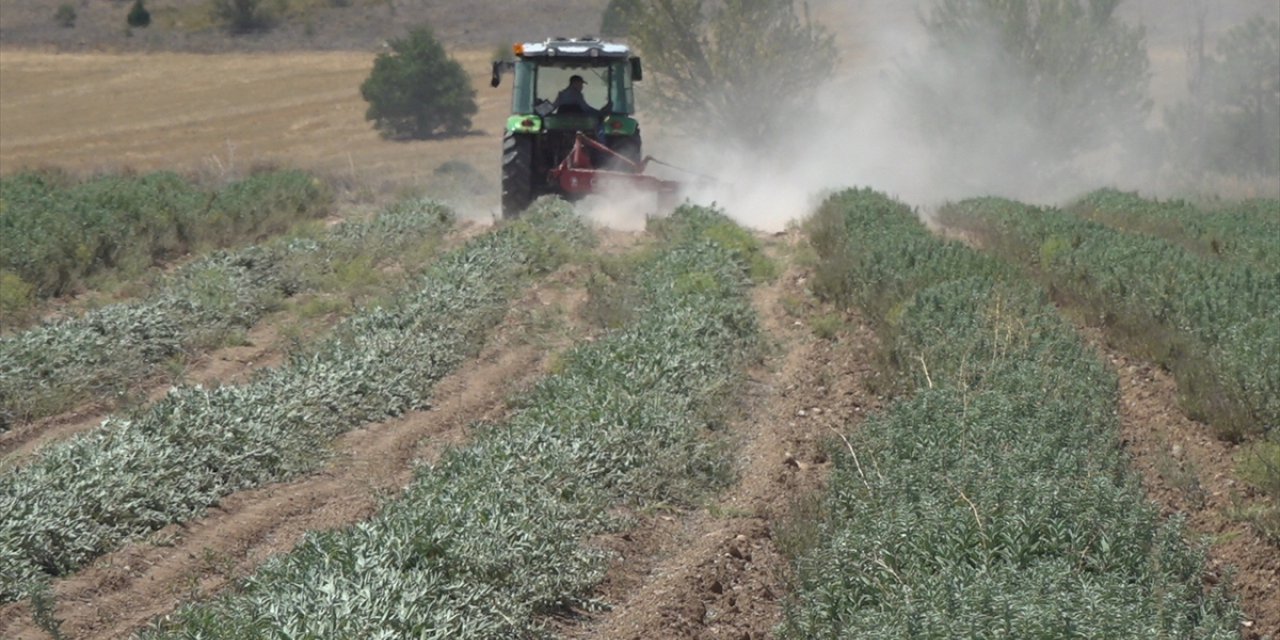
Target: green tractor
x,y
553,146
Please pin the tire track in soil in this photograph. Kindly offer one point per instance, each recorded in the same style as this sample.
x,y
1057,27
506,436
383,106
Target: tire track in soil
x,y
123,591
719,572
1186,470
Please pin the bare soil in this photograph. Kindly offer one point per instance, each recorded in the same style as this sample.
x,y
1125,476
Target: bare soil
x,y
719,571
125,590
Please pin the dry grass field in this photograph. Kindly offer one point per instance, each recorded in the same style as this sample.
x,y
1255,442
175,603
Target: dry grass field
x,y
222,113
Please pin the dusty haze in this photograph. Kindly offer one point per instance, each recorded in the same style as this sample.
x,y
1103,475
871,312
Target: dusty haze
x,y
861,132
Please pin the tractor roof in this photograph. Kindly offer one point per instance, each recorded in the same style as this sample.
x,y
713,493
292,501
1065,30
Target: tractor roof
x,y
587,47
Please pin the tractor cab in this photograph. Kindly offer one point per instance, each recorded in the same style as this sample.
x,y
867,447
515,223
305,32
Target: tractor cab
x,y
540,136
543,69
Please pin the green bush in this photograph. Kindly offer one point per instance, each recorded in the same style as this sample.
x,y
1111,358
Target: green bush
x,y
417,90
16,296
722,231
138,17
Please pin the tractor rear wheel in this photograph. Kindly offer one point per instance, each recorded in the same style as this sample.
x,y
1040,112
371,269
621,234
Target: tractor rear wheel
x,y
517,174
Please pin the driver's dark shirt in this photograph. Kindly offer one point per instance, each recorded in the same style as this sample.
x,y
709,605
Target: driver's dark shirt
x,y
573,98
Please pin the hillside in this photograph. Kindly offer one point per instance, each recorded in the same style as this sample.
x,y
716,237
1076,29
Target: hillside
x,y
335,25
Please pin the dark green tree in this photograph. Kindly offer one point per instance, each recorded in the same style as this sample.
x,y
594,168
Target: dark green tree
x,y
740,70
1058,76
418,91
138,16
1231,122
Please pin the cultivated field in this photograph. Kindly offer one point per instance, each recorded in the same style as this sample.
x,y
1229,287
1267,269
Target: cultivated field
x,y
371,410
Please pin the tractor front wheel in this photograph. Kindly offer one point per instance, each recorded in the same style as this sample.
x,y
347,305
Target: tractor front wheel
x,y
517,174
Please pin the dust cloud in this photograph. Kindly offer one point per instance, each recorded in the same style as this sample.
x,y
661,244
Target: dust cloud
x,y
620,207
863,128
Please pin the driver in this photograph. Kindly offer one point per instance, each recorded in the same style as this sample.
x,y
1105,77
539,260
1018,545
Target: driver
x,y
571,100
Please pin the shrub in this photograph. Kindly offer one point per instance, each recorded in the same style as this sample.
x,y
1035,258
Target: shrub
x,y
418,91
138,16
243,16
15,297
1210,321
1243,232
65,16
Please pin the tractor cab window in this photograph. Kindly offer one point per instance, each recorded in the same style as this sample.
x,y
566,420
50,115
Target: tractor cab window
x,y
536,86
553,80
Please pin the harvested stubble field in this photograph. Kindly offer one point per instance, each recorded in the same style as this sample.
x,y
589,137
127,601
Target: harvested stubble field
x,y
222,114
728,535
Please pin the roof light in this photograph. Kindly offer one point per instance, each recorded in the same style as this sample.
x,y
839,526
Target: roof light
x,y
518,48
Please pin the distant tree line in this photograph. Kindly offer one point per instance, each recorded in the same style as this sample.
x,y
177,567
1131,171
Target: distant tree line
x,y
1068,76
